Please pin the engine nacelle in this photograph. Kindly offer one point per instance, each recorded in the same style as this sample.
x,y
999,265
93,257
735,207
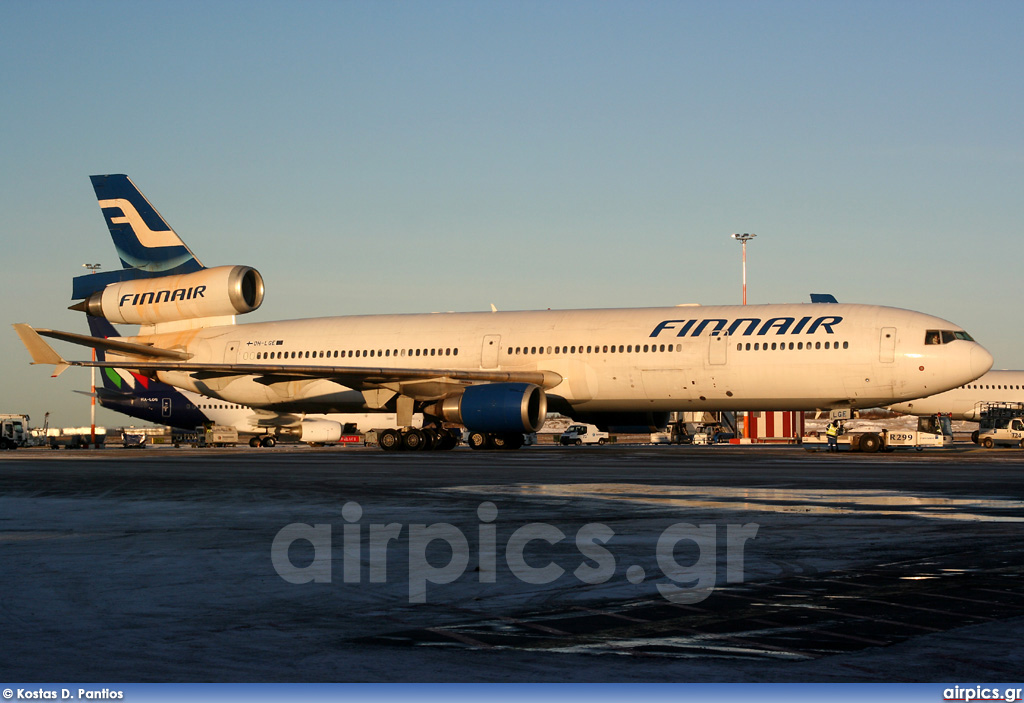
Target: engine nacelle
x,y
315,431
497,407
224,290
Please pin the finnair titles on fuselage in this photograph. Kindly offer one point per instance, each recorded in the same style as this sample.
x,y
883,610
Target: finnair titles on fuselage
x,y
497,373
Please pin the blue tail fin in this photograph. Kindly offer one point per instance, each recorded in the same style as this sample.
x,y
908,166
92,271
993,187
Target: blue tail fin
x,y
145,243
138,396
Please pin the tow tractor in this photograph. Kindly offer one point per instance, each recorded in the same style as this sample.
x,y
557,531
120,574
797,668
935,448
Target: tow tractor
x,y
1001,424
932,431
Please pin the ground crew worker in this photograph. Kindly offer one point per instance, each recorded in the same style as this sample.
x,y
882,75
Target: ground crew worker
x,y
832,432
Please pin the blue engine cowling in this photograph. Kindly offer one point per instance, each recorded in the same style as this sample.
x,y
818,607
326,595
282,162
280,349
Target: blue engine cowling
x,y
498,407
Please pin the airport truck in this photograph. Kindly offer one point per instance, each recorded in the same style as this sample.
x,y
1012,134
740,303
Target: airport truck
x,y
1001,424
583,434
933,431
13,431
220,436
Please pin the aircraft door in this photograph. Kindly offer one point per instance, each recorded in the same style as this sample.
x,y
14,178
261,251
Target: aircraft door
x,y
165,407
887,345
489,351
718,346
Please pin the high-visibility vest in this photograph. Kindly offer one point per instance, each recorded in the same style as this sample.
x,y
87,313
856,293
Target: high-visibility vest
x,y
832,430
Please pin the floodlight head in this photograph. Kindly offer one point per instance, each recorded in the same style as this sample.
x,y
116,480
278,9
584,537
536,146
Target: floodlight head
x,y
743,237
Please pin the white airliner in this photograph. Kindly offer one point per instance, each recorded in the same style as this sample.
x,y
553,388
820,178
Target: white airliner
x,y
495,373
965,402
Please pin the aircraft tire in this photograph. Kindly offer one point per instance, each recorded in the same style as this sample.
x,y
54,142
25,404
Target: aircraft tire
x,y
254,442
414,440
268,442
507,441
390,440
448,441
431,439
479,440
870,443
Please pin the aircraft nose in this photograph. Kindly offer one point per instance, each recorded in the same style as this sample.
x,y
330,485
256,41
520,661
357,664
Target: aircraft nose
x,y
981,360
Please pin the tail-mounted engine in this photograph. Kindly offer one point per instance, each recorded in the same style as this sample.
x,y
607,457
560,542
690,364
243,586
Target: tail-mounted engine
x,y
212,292
497,407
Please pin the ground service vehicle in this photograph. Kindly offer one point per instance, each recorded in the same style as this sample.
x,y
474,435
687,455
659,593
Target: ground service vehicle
x,y
220,436
134,439
583,434
932,431
1001,424
13,431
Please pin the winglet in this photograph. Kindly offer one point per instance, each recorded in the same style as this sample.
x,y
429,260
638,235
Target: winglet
x,y
42,353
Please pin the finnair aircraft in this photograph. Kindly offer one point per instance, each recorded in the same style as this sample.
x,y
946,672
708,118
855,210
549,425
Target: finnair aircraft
x,y
964,403
495,373
147,399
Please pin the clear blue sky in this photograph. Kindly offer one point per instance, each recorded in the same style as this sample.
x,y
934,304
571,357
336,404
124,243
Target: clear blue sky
x,y
421,156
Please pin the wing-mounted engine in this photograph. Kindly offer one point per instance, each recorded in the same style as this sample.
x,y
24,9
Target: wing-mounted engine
x,y
497,407
315,431
212,292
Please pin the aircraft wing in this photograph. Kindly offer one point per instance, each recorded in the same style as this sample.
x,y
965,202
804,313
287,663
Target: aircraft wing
x,y
111,344
420,383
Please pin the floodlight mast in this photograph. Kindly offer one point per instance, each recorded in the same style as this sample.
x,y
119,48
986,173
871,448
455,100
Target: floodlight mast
x,y
744,238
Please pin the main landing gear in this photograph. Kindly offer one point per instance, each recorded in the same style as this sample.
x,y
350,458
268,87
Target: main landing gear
x,y
266,440
495,440
412,439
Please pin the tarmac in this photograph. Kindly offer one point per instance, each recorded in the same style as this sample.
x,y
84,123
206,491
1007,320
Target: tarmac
x,y
615,563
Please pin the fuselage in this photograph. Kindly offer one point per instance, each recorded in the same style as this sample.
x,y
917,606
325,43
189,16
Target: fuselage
x,y
964,402
771,357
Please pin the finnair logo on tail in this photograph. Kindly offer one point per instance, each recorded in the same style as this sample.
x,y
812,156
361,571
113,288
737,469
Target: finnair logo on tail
x,y
147,237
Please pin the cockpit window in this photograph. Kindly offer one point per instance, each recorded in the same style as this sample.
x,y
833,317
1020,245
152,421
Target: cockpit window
x,y
945,336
